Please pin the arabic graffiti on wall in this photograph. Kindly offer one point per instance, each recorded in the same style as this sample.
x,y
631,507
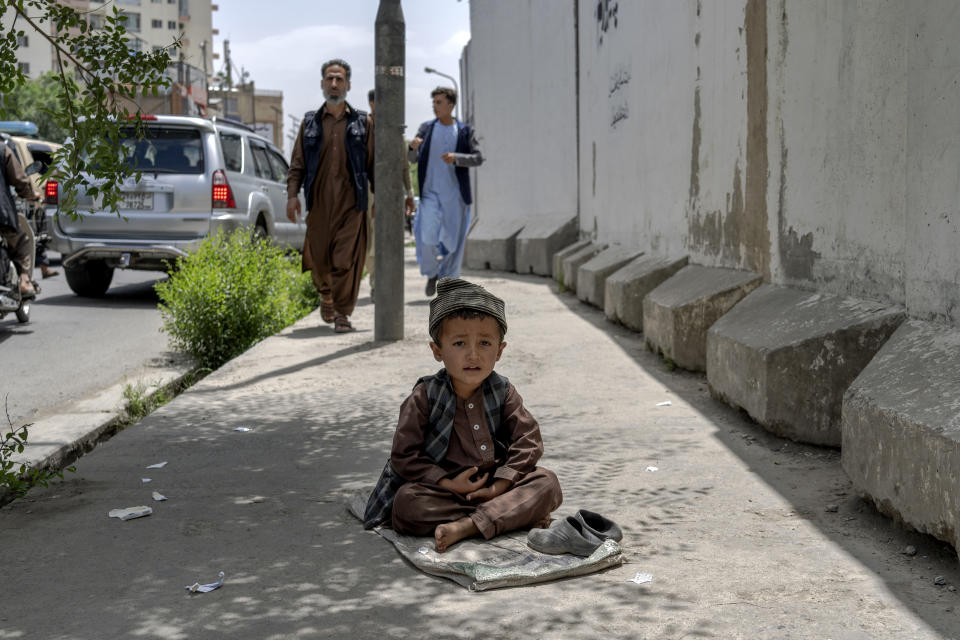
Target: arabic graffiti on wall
x,y
606,16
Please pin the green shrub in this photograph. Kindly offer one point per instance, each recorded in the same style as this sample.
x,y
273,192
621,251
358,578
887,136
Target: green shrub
x,y
230,294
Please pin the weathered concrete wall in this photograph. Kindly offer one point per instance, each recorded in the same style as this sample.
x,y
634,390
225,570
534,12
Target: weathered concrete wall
x,y
664,148
813,142
522,95
864,147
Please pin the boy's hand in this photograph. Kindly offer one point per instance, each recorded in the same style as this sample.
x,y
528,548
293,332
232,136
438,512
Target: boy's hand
x,y
461,484
499,486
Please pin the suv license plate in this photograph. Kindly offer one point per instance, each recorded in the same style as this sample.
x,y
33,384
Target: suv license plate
x,y
137,201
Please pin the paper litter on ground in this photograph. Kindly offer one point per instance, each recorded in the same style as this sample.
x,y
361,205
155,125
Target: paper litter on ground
x,y
504,561
196,587
665,404
652,469
158,496
159,465
130,512
146,480
242,429
641,578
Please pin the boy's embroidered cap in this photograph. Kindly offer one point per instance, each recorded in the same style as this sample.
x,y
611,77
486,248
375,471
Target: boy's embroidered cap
x,y
454,294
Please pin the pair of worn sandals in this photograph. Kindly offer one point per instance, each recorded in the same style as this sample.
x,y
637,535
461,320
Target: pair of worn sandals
x,y
579,534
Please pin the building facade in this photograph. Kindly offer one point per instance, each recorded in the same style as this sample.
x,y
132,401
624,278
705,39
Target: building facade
x,y
152,25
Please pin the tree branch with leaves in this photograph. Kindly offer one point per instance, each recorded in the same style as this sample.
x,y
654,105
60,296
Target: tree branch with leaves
x,y
100,80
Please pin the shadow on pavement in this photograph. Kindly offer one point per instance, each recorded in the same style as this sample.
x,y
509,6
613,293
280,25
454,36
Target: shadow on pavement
x,y
809,477
128,296
316,362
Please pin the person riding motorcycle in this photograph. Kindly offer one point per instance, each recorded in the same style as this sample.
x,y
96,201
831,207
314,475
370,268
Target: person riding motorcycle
x,y
13,226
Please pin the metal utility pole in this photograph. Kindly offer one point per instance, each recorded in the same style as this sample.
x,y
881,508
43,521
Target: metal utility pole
x,y
389,162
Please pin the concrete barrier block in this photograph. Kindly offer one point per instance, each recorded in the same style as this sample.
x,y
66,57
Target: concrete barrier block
x,y
562,255
786,357
540,239
493,248
677,314
592,275
570,266
626,288
901,429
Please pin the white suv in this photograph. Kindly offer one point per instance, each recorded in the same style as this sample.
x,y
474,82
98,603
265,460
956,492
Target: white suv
x,y
197,176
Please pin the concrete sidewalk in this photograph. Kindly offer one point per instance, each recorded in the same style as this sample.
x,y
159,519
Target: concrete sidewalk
x,y
734,523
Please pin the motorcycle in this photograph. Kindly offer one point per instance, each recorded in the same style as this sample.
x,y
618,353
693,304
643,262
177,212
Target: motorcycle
x,y
11,300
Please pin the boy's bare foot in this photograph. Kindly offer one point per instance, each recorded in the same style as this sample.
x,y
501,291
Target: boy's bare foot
x,y
542,524
453,532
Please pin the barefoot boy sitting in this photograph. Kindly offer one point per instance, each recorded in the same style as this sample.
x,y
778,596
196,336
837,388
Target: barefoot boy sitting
x,y
465,451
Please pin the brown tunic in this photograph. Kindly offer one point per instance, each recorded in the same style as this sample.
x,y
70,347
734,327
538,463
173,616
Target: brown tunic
x,y
20,243
421,505
336,239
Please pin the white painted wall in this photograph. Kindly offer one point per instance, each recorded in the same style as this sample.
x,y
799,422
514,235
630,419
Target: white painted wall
x,y
839,92
521,91
847,129
932,234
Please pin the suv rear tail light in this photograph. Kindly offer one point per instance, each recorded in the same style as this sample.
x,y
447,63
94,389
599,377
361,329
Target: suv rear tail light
x,y
50,192
222,193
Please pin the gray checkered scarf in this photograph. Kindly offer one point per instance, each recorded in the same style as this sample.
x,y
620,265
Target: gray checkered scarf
x,y
442,401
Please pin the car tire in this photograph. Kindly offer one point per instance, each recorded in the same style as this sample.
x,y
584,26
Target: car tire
x,y
260,231
90,280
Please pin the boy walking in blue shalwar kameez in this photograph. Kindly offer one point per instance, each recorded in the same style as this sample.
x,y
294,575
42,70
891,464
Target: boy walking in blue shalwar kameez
x,y
444,149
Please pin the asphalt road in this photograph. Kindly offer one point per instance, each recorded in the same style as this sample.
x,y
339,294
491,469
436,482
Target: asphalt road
x,y
73,346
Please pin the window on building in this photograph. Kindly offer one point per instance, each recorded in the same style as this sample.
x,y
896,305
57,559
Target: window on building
x,y
156,24
171,24
132,24
23,41
96,21
24,67
135,44
157,49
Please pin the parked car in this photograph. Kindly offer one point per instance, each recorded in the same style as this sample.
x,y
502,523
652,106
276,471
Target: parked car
x,y
197,176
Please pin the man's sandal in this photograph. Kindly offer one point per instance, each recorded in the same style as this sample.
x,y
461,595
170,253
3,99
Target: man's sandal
x,y
341,324
326,311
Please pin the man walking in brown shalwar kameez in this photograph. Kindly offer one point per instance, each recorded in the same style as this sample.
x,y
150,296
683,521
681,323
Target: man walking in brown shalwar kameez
x,y
333,161
465,452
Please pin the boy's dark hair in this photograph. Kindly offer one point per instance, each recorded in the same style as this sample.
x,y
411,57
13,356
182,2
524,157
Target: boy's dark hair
x,y
371,95
451,94
336,62
463,314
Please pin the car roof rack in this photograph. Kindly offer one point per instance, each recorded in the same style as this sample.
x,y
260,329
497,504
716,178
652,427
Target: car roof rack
x,y
232,122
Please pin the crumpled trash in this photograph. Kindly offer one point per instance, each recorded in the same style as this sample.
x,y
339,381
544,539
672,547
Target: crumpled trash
x,y
640,578
665,404
243,429
196,587
130,512
146,480
652,469
158,496
159,465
